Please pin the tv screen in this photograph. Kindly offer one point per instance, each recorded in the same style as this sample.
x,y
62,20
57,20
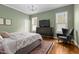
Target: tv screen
x,y
44,23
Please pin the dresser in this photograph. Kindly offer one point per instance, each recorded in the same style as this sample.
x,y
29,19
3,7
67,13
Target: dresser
x,y
45,31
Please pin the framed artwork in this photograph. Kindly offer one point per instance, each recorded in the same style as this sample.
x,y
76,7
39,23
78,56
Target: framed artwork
x,y
1,20
8,21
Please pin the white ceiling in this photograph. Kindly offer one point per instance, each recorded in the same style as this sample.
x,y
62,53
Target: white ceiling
x,y
26,8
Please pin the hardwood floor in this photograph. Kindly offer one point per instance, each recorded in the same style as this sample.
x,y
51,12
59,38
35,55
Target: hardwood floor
x,y
62,48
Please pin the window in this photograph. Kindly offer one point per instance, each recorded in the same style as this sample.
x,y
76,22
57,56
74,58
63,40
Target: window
x,y
61,21
34,23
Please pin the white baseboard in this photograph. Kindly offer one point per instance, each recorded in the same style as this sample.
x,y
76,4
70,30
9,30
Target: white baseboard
x,y
76,44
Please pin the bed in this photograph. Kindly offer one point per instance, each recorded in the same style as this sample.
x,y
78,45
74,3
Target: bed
x,y
19,43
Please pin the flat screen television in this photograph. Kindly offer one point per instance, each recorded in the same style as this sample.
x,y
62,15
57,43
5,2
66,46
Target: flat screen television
x,y
44,23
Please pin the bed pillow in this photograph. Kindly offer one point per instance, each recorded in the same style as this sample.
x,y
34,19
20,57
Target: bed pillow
x,y
1,37
5,34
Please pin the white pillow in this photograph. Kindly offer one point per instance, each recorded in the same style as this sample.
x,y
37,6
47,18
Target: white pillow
x,y
1,38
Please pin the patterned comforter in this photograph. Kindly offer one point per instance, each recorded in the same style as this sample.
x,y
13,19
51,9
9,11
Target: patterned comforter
x,y
17,41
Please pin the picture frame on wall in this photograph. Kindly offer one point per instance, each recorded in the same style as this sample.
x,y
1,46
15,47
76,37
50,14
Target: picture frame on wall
x,y
1,20
8,21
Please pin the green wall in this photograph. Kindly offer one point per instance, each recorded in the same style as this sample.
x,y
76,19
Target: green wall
x,y
51,15
76,24
18,20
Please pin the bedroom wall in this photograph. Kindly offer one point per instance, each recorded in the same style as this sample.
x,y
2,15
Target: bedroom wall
x,y
20,21
76,24
51,15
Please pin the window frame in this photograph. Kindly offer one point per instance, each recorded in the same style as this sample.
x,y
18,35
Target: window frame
x,y
34,23
64,22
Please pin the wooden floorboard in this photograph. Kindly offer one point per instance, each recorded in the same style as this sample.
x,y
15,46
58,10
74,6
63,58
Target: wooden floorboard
x,y
62,48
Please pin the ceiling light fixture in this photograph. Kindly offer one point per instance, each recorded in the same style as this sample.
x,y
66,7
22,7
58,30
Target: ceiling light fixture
x,y
33,7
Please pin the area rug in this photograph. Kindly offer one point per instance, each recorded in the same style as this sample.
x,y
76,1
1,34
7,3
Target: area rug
x,y
43,48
